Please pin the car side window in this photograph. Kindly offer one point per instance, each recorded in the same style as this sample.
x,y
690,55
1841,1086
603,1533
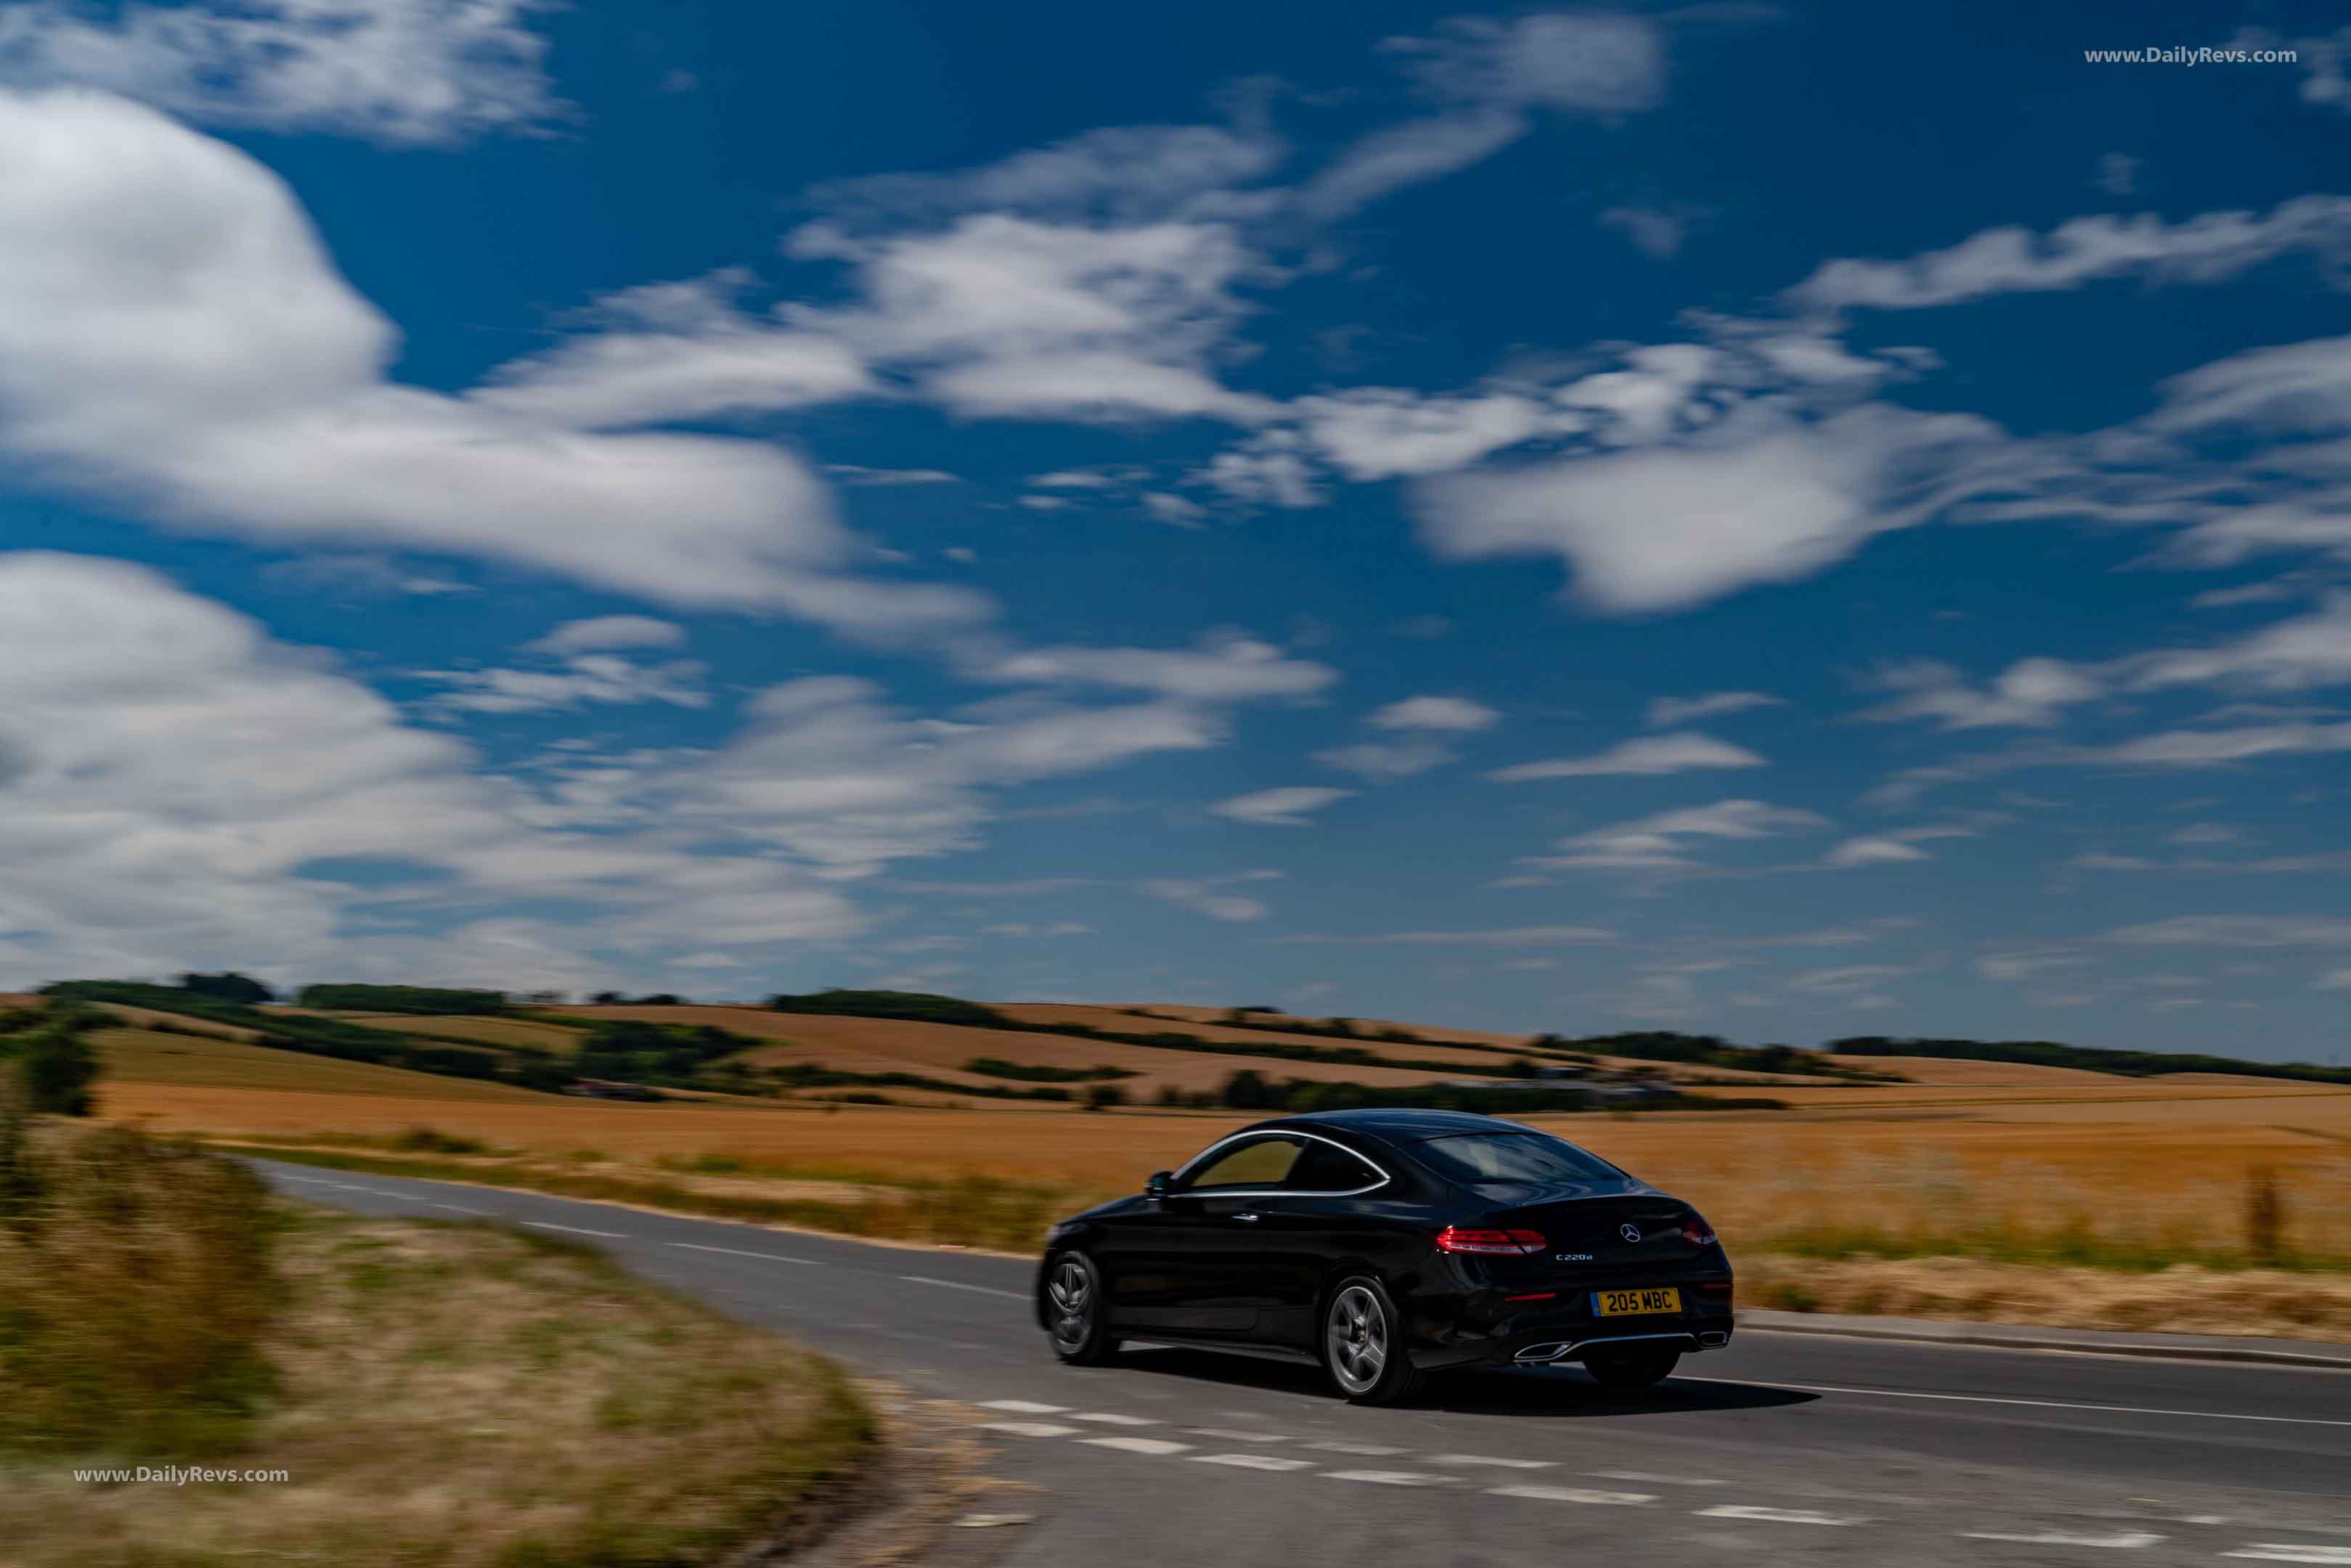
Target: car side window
x,y
1261,1163
1326,1167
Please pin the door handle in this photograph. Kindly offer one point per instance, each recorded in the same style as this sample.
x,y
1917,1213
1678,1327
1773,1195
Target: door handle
x,y
1250,1218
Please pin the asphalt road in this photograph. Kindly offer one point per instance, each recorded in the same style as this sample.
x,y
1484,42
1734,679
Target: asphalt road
x,y
1783,1448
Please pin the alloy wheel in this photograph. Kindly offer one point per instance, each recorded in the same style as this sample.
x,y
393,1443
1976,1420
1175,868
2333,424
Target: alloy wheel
x,y
1356,1334
1070,1290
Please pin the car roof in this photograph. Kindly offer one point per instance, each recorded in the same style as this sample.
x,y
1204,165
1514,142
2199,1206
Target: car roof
x,y
1403,1123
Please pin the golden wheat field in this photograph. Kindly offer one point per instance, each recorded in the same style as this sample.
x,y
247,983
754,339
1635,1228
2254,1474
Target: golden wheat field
x,y
1974,1158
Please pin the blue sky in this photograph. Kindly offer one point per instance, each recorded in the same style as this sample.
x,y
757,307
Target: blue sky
x,y
1783,521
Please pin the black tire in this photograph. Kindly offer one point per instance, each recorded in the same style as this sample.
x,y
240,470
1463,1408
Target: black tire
x,y
1362,1345
1630,1371
1074,1319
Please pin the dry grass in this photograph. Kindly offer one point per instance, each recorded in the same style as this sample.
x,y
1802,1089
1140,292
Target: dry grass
x,y
475,1399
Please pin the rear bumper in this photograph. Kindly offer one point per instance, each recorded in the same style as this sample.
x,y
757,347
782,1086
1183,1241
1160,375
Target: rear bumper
x,y
1570,1330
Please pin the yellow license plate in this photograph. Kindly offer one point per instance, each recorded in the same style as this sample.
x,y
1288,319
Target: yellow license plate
x,y
1635,1303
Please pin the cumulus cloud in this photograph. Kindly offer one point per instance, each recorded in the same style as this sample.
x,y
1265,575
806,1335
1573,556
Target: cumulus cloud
x,y
1379,432
402,72
1206,896
1664,711
184,791
1229,667
2033,693
1673,753
603,634
173,333
2201,249
1455,715
1654,234
1660,842
1872,850
582,678
1289,808
1761,496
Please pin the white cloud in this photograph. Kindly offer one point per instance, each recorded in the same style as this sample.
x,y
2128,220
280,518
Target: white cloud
x,y
1268,470
1202,895
403,72
1673,753
2202,249
1872,850
1655,843
2237,931
1654,234
1388,759
181,791
1379,432
361,576
1761,497
583,678
2118,174
1174,510
205,362
2300,655
1224,668
603,633
1292,807
676,352
1004,316
2323,57
2333,981
1457,715
1663,711
1505,937
1569,62
2031,693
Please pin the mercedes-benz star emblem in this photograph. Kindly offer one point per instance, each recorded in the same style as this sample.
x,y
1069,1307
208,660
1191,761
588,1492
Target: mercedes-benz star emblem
x,y
1629,1232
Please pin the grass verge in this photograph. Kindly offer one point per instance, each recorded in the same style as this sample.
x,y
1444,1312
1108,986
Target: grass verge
x,y
457,1396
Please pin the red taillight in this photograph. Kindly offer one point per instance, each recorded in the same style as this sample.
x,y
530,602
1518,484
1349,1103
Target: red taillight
x,y
1697,1231
1453,1238
1534,1296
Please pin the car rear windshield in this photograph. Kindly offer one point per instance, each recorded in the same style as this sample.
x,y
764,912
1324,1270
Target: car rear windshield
x,y
1482,1157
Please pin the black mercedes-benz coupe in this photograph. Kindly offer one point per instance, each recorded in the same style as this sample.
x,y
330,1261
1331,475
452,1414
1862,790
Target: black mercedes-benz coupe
x,y
1386,1245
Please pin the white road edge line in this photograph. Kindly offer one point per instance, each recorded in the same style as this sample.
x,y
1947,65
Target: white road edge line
x,y
1028,1428
1110,1418
1136,1445
1575,1494
453,1207
1490,1460
1777,1515
575,1231
1022,1407
959,1285
741,1252
2291,1551
2124,1540
2039,1404
1252,1462
1389,1478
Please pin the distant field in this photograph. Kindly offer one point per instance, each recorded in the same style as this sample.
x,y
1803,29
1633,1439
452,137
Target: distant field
x,y
939,1050
141,1063
522,1034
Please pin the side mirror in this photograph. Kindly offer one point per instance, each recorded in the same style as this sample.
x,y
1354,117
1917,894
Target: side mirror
x,y
1155,1188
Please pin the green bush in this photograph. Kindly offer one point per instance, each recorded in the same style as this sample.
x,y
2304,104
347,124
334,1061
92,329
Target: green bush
x,y
51,1065
422,1000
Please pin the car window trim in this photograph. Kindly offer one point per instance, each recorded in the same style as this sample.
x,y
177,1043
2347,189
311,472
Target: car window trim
x,y
1178,1190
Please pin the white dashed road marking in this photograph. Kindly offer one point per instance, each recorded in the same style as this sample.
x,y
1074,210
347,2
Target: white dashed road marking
x,y
1654,1479
2289,1552
959,1285
1577,1494
453,1208
1252,1462
740,1252
1138,1445
1022,1407
1029,1429
1490,1460
1109,1418
1389,1478
1777,1515
1361,1450
574,1229
2040,1403
2122,1540
1227,1435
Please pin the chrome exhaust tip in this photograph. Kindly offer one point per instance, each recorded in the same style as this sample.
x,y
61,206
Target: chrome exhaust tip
x,y
1714,1339
1552,1352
